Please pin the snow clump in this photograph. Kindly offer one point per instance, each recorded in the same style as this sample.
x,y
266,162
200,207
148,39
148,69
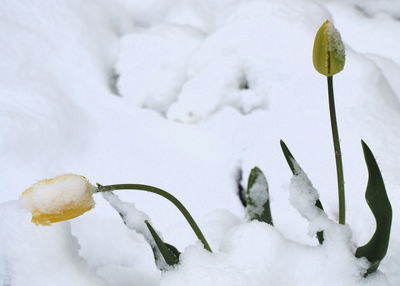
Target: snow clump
x,y
31,255
303,196
132,217
135,220
335,43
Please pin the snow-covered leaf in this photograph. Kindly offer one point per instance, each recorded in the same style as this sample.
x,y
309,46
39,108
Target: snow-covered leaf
x,y
257,197
168,251
297,171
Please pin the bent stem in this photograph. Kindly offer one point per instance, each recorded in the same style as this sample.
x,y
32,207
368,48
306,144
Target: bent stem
x,y
164,194
338,154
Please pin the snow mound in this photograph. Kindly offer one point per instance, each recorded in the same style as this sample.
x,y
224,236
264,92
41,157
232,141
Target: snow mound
x,y
152,65
32,255
202,75
257,254
224,71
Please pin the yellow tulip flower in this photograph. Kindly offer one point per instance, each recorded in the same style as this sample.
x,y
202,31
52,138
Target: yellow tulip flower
x,y
57,199
328,53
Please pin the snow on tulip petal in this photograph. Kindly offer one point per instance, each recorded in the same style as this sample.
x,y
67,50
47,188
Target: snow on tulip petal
x,y
58,199
328,53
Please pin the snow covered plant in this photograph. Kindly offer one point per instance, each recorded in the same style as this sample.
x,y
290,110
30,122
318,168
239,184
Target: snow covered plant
x,y
165,255
67,196
57,199
328,59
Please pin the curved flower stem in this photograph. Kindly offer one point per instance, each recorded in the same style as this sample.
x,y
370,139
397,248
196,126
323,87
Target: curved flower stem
x,y
164,194
338,154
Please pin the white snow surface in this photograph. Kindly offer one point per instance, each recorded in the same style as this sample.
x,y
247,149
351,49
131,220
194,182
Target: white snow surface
x,y
32,255
179,94
245,259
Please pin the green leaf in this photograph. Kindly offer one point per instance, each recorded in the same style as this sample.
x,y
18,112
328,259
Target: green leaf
x,y
290,159
174,250
168,252
378,201
257,197
297,170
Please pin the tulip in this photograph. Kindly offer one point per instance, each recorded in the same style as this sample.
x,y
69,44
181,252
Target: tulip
x,y
329,59
328,54
58,199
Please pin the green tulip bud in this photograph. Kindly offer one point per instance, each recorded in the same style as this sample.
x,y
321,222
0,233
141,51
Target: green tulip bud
x,y
328,53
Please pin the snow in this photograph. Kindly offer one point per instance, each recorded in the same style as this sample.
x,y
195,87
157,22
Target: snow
x,y
135,219
224,63
32,255
303,195
180,94
141,60
335,42
245,258
132,217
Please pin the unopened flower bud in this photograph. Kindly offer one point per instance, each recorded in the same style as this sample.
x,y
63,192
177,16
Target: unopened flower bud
x,y
57,199
328,53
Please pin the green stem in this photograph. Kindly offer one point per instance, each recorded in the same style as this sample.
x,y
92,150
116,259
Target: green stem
x,y
164,194
338,154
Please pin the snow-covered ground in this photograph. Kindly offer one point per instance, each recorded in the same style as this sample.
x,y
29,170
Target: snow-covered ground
x,y
180,94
